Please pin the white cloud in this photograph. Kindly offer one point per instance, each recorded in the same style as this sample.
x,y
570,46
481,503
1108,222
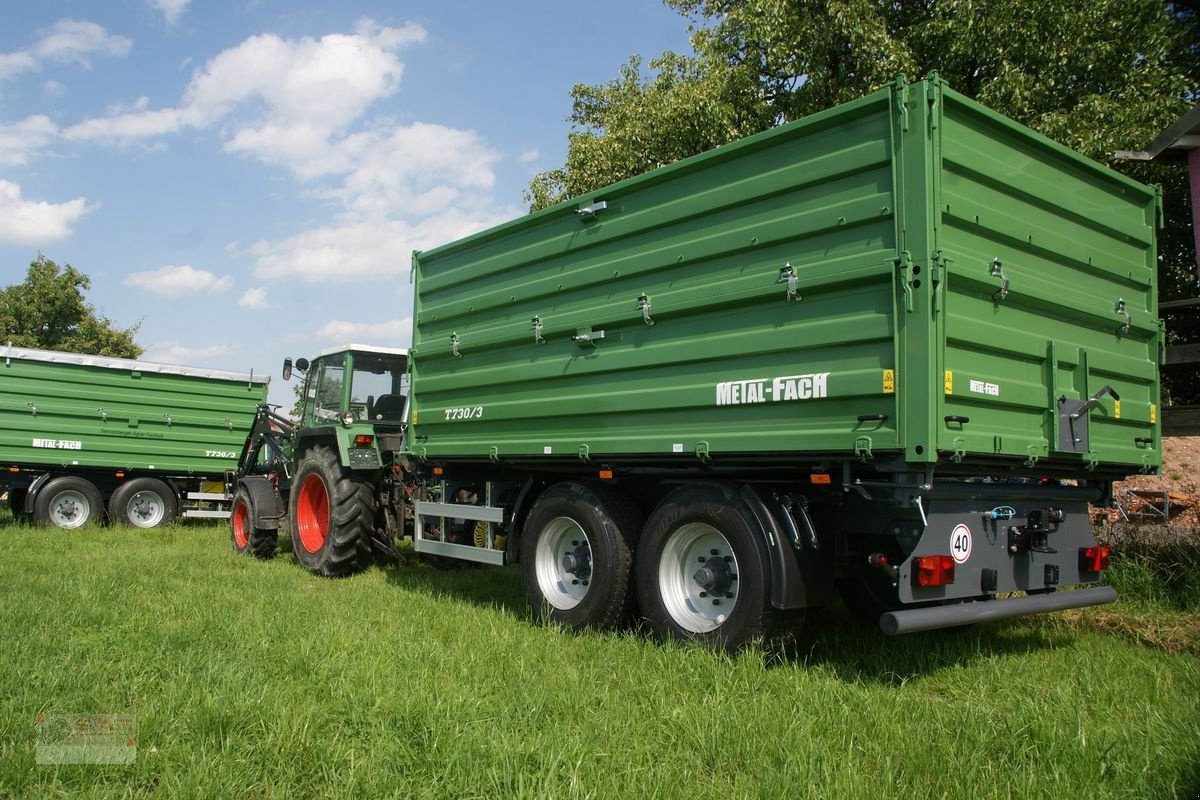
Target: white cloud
x,y
171,10
20,140
53,89
30,222
176,281
376,248
254,298
529,155
389,333
293,93
67,41
172,352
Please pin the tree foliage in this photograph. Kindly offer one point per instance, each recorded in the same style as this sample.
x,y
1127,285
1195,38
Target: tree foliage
x,y
1098,76
48,311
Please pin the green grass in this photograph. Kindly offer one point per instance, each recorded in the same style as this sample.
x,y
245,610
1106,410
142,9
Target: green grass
x,y
254,679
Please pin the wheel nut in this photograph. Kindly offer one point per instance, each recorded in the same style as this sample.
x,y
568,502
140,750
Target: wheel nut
x,y
716,602
704,594
729,595
712,552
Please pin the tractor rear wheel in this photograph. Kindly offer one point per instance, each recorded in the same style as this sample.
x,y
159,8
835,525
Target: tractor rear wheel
x,y
332,515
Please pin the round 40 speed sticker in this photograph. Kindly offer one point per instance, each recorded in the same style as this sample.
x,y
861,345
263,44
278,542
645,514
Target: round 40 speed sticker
x,y
960,544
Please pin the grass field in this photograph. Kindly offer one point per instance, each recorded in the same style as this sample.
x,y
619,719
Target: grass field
x,y
254,679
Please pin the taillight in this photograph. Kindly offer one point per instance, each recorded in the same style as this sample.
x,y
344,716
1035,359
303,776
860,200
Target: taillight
x,y
363,440
933,570
1094,558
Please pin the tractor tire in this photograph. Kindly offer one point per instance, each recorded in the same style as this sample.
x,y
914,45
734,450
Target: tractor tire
x,y
68,502
246,538
577,556
143,503
332,515
703,572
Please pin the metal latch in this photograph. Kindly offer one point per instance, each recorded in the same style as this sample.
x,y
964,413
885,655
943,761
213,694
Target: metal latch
x,y
589,212
454,345
643,304
787,274
586,336
537,331
1073,420
996,270
1121,310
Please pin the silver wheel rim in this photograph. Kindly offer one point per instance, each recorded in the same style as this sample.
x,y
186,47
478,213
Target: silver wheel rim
x,y
145,509
698,577
563,563
70,509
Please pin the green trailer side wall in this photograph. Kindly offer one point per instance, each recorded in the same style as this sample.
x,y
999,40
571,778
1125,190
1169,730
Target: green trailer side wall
x,y
1073,240
890,283
121,415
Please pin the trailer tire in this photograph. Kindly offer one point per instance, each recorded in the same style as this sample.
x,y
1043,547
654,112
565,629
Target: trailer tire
x,y
576,555
68,502
245,535
703,572
143,503
331,513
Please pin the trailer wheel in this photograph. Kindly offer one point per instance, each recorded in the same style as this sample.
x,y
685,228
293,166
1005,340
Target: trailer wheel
x,y
143,503
68,502
577,555
246,537
331,515
702,571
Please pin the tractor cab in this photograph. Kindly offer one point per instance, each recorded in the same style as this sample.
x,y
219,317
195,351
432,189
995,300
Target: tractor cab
x,y
357,396
354,384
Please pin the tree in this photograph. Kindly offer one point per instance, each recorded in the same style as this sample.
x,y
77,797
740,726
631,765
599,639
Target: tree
x,y
1097,76
48,311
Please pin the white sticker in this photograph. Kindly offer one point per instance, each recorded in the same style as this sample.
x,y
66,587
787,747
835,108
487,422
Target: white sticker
x,y
547,451
981,387
677,448
960,544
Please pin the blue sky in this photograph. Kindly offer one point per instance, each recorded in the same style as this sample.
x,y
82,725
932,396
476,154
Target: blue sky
x,y
248,179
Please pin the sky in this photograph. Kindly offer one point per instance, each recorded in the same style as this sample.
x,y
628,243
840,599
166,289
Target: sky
x,y
246,180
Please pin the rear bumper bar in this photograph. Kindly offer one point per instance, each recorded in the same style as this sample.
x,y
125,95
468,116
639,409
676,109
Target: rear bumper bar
x,y
927,619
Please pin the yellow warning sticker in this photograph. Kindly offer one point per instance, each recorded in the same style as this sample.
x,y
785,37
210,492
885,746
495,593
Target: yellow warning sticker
x,y
949,382
1152,413
1116,409
889,381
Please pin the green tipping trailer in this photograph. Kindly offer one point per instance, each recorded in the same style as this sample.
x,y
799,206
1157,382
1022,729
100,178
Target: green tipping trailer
x,y
893,349
80,434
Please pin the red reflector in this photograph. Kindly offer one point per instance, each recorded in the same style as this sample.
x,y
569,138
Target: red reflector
x,y
438,470
1093,559
819,479
363,440
933,570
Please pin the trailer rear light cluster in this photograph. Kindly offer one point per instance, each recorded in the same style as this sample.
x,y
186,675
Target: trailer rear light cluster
x,y
933,570
1094,558
363,440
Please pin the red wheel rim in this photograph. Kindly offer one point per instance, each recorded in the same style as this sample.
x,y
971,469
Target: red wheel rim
x,y
239,520
312,513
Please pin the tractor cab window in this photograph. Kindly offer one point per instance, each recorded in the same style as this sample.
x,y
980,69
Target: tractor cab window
x,y
327,397
378,388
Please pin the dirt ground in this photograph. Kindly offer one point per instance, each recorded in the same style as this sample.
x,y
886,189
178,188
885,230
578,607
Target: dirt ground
x,y
1176,491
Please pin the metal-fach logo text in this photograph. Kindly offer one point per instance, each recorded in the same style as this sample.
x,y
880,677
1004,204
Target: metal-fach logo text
x,y
784,387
